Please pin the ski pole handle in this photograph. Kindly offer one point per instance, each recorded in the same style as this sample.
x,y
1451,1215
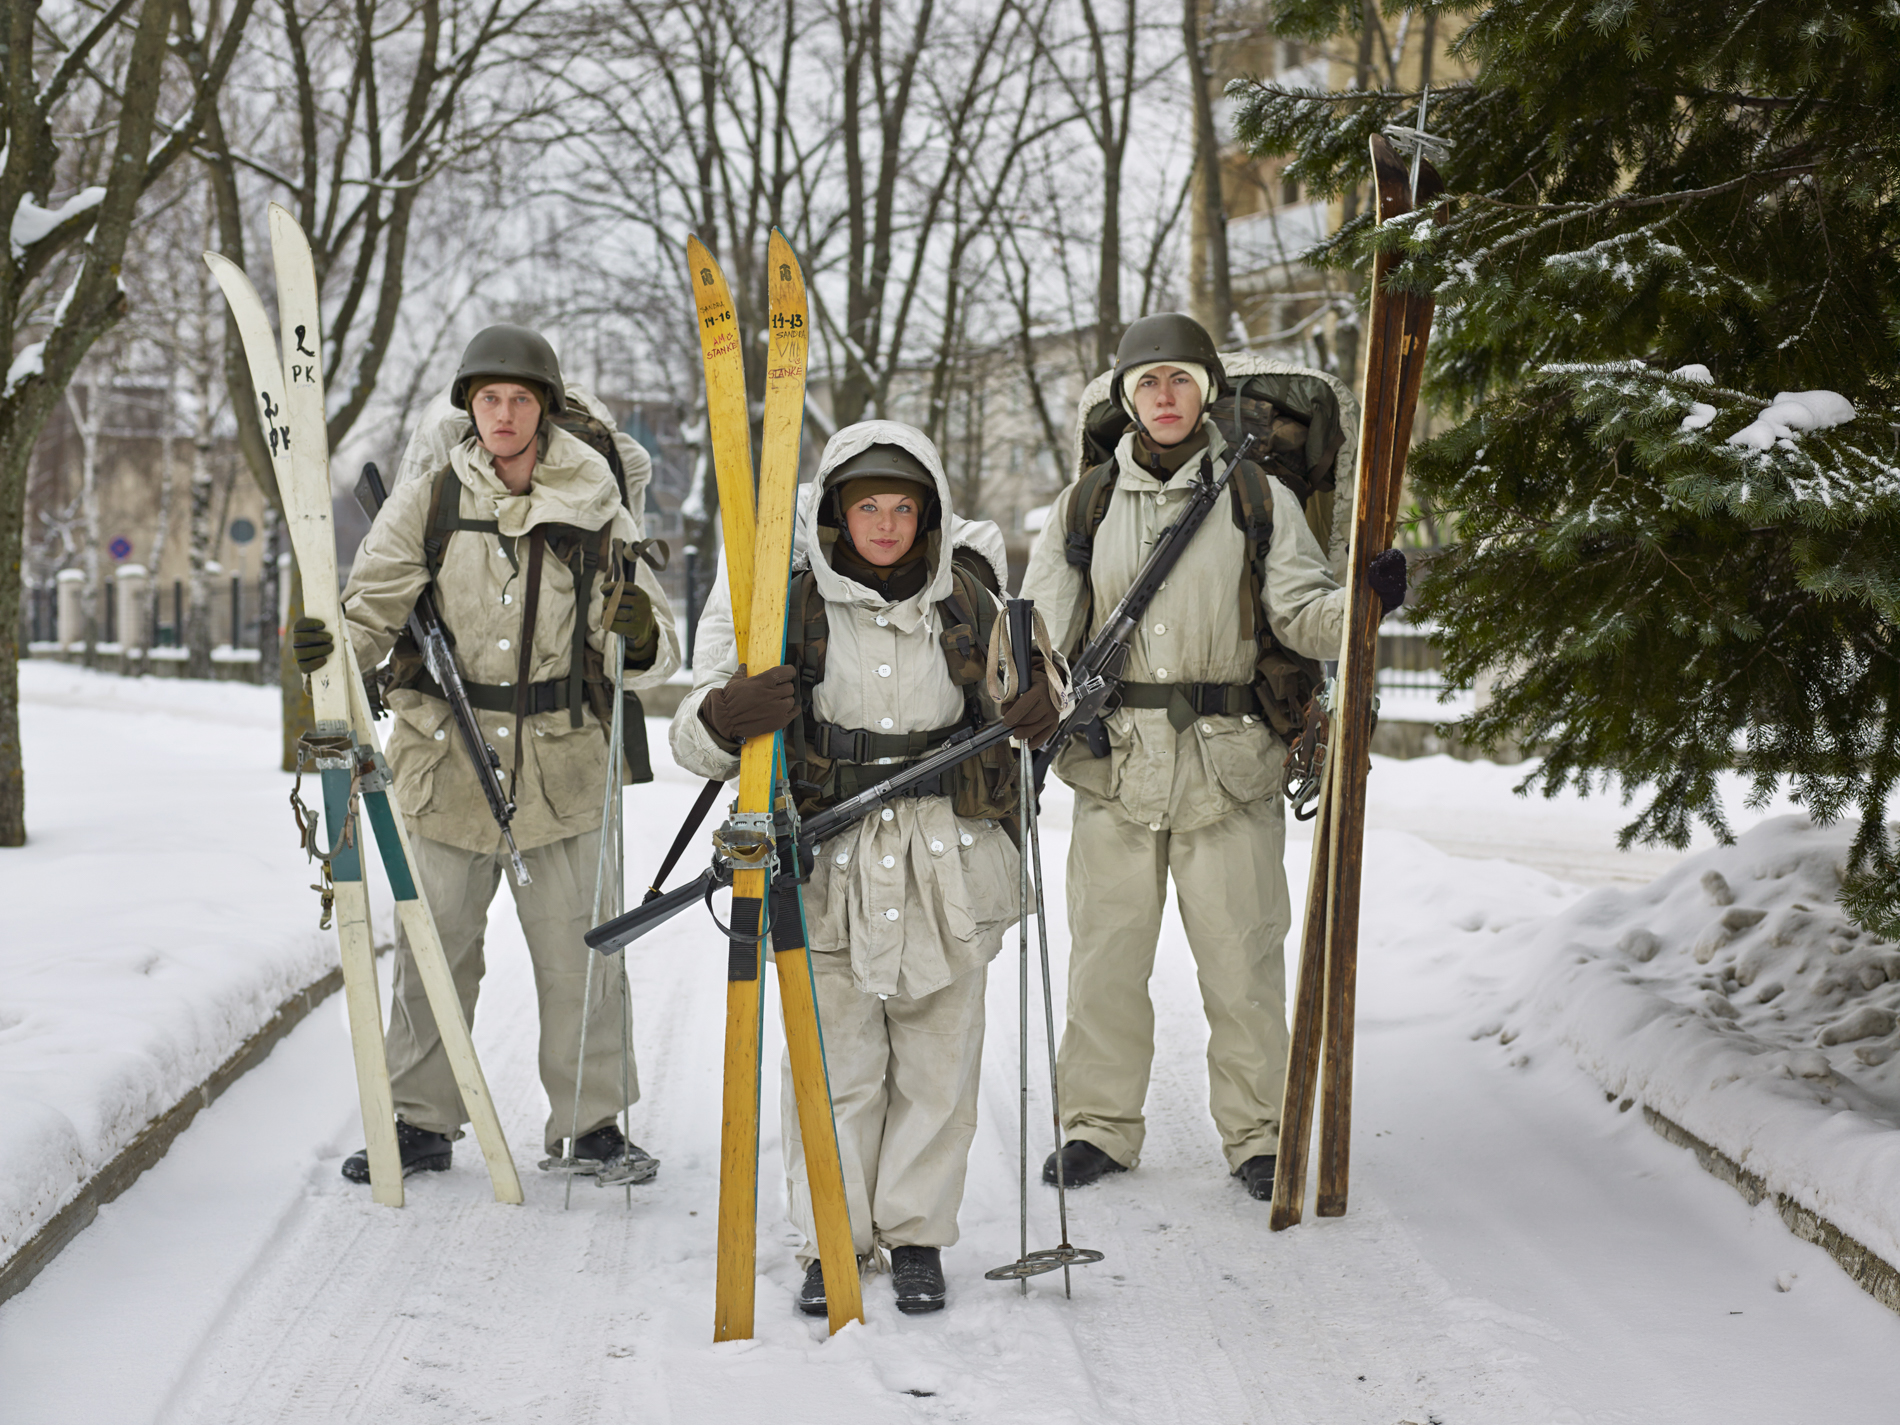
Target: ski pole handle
x,y
1020,614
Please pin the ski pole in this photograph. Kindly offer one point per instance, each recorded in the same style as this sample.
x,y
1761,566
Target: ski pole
x,y
1021,623
610,806
1024,790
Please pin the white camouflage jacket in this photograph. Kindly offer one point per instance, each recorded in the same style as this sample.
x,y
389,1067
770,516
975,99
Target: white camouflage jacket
x,y
1192,633
916,895
563,768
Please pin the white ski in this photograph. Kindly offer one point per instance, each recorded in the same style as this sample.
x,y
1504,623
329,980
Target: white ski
x,y
291,405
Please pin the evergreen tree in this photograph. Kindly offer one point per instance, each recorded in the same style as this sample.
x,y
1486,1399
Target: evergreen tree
x,y
1663,215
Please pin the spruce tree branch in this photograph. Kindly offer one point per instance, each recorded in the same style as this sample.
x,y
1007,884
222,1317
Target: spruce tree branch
x,y
1643,200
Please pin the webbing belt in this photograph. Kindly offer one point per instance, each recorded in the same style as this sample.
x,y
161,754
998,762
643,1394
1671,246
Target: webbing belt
x,y
1205,699
860,744
549,695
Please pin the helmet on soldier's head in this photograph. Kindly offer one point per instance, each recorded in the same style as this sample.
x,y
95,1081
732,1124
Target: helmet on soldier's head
x,y
1173,338
511,353
879,469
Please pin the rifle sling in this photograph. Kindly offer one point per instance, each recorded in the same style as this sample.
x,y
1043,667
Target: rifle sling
x,y
537,547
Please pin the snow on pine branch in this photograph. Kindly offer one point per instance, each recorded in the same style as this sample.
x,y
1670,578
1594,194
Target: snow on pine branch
x,y
1823,463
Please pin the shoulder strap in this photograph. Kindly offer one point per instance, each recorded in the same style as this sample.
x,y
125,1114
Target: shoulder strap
x,y
1088,507
445,518
1253,516
970,604
807,632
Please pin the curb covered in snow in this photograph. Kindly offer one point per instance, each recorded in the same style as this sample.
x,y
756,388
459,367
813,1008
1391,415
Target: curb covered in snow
x,y
156,1138
1756,1025
1878,1278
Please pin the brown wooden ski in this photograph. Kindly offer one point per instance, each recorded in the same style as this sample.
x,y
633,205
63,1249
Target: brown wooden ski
x,y
1322,1049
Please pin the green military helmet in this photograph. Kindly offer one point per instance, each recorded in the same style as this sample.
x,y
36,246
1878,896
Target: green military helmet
x,y
511,353
1173,337
890,464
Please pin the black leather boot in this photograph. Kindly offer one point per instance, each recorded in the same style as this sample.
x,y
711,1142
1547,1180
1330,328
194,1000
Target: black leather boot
x,y
917,1274
1082,1164
422,1152
1256,1175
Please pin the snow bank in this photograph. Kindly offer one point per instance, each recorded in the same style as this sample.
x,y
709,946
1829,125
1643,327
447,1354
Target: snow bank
x,y
1733,997
158,916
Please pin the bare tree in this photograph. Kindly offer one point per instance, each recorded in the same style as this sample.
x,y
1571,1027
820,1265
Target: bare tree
x,y
350,115
100,74
1216,296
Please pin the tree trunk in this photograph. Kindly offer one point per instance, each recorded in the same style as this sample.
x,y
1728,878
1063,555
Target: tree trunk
x,y
167,472
85,417
1347,334
1108,286
198,611
1213,290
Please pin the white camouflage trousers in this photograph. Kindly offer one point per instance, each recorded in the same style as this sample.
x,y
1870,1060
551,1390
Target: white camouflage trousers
x,y
904,1078
555,909
1230,882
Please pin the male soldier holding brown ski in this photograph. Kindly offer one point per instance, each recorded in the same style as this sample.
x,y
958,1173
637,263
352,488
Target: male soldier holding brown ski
x,y
1190,783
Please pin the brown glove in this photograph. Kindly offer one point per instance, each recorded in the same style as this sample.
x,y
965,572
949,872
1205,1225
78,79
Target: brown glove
x,y
311,645
750,707
633,620
1033,712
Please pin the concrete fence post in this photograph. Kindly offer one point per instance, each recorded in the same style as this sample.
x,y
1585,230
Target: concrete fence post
x,y
135,624
70,616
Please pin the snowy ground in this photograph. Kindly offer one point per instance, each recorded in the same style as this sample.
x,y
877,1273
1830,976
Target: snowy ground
x,y
1517,1250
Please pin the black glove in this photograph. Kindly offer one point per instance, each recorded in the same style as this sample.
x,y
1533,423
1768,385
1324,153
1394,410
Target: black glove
x,y
1386,577
750,707
310,644
1033,711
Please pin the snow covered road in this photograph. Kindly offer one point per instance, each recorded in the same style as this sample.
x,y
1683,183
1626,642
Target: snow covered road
x,y
1516,1249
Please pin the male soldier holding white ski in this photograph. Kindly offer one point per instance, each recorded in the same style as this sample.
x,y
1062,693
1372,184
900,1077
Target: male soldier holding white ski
x,y
893,599
1189,785
530,549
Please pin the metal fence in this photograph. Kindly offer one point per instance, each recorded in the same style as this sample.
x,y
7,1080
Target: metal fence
x,y
242,613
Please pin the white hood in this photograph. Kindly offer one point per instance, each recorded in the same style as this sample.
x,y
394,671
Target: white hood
x,y
981,536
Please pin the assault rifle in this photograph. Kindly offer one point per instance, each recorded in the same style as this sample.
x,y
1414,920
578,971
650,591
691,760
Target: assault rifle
x,y
425,627
788,843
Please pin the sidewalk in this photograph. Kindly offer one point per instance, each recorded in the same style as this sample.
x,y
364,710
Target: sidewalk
x,y
158,917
